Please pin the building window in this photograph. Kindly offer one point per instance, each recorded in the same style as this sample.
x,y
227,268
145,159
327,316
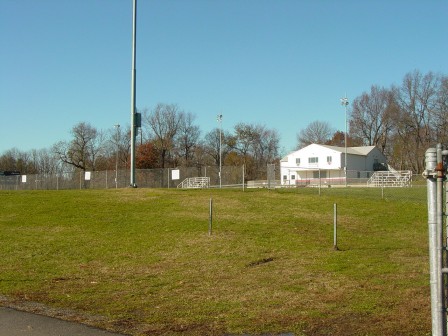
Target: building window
x,y
297,161
329,159
313,159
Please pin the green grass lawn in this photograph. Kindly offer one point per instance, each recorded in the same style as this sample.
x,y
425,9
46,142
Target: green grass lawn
x,y
141,261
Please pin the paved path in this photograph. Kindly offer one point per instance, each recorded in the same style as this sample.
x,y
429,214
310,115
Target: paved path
x,y
17,323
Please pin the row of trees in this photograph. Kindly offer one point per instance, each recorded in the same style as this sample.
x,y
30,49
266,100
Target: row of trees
x,y
403,121
169,137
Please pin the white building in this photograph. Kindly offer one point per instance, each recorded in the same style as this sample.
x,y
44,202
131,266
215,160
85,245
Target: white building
x,y
327,164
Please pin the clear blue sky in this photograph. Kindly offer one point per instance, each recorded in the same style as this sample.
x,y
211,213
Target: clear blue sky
x,y
279,63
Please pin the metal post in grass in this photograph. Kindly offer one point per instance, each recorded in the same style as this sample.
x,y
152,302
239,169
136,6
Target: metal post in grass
x,y
210,223
335,230
437,314
243,176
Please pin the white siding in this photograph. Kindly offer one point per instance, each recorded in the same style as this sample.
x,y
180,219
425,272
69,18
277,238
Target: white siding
x,y
358,159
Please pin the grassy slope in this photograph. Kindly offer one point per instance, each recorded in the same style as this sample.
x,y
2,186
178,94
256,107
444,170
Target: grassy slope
x,y
143,259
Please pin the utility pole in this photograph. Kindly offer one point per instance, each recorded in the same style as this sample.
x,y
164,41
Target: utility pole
x,y
133,99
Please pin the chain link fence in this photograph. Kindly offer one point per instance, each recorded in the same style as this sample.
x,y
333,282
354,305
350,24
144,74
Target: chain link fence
x,y
146,178
231,177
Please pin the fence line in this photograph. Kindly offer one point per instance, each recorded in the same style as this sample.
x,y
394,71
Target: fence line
x,y
145,178
232,177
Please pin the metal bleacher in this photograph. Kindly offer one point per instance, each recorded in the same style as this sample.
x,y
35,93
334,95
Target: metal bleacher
x,y
195,182
391,178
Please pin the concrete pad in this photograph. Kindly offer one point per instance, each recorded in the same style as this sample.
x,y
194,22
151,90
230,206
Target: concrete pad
x,y
18,323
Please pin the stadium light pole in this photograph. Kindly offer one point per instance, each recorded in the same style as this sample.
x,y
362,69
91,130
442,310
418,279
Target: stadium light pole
x,y
133,99
344,102
219,119
117,126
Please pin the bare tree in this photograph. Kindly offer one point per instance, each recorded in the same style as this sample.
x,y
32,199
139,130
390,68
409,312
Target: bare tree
x,y
372,117
271,144
417,100
263,142
45,161
316,132
118,146
245,137
187,138
164,123
84,150
441,112
211,145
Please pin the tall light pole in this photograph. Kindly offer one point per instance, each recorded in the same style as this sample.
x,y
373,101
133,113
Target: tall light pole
x,y
219,119
344,102
117,126
133,99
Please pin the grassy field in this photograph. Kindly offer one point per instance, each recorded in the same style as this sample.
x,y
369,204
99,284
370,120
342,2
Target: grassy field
x,y
141,261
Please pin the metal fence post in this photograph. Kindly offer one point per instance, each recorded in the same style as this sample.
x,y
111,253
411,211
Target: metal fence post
x,y
210,223
440,169
335,229
243,176
434,267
